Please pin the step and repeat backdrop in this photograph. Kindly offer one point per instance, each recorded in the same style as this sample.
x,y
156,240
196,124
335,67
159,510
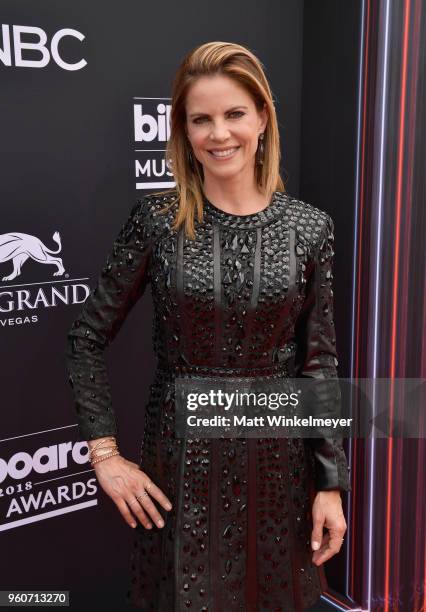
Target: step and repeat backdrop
x,y
85,103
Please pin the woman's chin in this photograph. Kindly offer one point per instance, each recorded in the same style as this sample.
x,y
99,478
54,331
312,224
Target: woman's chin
x,y
224,170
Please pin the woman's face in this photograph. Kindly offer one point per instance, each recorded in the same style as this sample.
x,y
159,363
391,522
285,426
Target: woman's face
x,y
221,116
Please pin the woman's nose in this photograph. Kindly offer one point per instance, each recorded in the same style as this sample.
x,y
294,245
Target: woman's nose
x,y
219,133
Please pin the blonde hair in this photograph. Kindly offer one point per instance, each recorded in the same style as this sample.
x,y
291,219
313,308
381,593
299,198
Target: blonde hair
x,y
241,65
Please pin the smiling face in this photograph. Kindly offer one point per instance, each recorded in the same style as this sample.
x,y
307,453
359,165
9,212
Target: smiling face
x,y
223,127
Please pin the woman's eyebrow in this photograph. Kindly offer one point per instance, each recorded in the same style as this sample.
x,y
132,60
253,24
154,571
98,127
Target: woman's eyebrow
x,y
227,111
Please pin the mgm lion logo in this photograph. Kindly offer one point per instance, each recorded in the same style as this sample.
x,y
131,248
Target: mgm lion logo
x,y
19,247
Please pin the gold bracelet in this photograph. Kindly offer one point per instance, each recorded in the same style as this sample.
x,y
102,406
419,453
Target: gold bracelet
x,y
105,457
106,439
100,449
95,448
99,455
102,454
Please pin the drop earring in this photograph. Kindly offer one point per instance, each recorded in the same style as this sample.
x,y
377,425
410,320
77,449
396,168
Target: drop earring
x,y
260,150
191,160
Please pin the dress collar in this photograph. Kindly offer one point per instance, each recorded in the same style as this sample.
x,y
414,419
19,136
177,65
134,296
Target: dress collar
x,y
275,208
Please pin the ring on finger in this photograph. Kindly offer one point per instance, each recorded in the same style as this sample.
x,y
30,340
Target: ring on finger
x,y
141,495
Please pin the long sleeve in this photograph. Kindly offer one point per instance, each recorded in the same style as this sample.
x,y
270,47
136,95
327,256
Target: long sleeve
x,y
316,337
120,284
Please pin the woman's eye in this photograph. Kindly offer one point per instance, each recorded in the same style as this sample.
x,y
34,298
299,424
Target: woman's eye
x,y
238,113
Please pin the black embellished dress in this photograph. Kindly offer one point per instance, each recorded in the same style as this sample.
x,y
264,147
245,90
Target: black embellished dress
x,y
250,296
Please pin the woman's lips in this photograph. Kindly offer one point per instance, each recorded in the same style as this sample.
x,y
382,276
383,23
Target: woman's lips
x,y
225,157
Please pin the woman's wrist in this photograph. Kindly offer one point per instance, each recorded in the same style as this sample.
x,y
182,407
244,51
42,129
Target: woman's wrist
x,y
104,457
102,449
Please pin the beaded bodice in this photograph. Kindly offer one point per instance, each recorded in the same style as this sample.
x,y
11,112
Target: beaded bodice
x,y
231,297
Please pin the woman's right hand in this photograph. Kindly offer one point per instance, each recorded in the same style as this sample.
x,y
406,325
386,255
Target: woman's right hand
x,y
123,480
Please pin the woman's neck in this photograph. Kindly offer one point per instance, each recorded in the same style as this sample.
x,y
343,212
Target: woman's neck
x,y
236,199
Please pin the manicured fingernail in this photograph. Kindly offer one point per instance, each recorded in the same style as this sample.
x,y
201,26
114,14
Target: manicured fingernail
x,y
133,524
315,545
149,525
160,523
168,506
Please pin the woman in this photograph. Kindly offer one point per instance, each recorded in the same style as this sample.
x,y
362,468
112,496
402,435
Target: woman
x,y
241,284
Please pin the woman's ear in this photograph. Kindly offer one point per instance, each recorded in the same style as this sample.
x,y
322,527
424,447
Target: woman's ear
x,y
264,115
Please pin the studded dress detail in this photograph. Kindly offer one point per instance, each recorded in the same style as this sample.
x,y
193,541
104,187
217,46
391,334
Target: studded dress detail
x,y
250,296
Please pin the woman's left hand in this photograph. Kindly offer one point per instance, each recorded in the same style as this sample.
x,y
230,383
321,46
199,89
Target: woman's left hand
x,y
327,512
